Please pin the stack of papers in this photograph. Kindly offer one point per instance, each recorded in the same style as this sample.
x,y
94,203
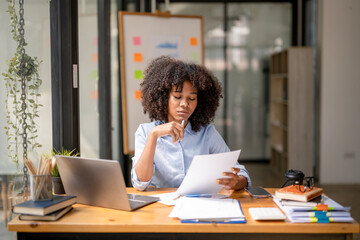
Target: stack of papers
x,y
208,210
326,212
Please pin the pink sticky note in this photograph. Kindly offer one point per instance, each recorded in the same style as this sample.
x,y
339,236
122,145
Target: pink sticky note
x,y
136,41
95,41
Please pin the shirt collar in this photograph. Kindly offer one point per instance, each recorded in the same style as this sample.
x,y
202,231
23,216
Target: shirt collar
x,y
188,129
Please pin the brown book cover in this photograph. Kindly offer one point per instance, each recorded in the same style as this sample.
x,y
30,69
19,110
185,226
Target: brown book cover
x,y
292,192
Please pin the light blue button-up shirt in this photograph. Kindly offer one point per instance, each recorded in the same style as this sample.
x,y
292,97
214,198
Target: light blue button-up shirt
x,y
172,160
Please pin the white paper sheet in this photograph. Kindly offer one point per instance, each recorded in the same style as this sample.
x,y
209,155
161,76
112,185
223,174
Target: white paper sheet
x,y
167,198
207,208
204,170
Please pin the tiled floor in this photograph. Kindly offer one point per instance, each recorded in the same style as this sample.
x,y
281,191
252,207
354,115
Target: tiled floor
x,y
263,175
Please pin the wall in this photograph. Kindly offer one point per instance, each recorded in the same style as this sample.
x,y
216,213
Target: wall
x,y
339,39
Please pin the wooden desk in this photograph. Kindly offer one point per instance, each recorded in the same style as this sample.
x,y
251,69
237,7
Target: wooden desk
x,y
152,222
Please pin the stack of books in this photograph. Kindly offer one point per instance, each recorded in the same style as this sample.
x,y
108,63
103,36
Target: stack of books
x,y
47,210
310,206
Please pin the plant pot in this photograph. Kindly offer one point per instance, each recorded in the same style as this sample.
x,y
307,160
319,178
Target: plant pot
x,y
58,187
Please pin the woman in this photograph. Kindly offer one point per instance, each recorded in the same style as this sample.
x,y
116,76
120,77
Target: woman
x,y
181,99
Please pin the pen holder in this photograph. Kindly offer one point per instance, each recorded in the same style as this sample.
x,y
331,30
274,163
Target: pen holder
x,y
41,187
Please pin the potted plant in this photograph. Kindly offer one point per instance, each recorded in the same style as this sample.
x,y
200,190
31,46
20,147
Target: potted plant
x,y
58,187
22,82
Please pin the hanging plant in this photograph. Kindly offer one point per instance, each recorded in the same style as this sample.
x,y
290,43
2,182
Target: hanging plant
x,y
22,106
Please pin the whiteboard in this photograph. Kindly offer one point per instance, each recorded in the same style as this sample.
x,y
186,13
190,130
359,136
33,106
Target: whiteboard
x,y
143,37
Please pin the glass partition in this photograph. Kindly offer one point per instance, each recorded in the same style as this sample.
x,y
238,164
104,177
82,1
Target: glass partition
x,y
89,81
254,31
37,36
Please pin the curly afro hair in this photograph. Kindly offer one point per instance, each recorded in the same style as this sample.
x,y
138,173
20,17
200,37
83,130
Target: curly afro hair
x,y
163,73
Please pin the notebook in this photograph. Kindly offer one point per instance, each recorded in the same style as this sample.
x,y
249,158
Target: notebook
x,y
48,217
98,182
44,207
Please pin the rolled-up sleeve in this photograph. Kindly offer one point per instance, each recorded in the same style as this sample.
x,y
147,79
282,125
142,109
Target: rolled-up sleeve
x,y
140,141
243,172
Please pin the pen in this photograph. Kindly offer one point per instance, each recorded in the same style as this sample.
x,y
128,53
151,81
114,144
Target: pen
x,y
194,195
182,123
199,195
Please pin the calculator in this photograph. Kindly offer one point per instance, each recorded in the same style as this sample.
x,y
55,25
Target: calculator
x,y
266,213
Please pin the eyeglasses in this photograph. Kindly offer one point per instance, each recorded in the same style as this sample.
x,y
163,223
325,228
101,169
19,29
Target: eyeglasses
x,y
309,184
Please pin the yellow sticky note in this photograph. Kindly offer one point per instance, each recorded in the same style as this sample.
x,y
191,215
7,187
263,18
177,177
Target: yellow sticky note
x,y
194,57
137,95
138,74
193,41
138,57
94,74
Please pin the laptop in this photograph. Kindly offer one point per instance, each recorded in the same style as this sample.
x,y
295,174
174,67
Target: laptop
x,y
99,183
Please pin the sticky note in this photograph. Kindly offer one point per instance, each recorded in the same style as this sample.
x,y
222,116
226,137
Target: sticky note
x,y
137,94
94,95
138,57
94,74
136,41
193,41
95,41
94,57
194,56
138,74
321,207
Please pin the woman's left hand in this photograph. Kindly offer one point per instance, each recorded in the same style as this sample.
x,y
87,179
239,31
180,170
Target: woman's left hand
x,y
233,181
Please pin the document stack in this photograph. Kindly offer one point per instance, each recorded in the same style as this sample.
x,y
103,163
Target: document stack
x,y
319,210
208,210
46,210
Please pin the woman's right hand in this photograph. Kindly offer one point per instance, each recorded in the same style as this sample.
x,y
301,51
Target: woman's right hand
x,y
176,130
144,166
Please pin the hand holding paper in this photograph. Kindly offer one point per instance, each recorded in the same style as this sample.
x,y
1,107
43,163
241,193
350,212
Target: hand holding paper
x,y
232,180
198,181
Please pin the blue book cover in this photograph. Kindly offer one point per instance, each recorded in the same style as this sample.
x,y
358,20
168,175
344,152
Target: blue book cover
x,y
42,208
